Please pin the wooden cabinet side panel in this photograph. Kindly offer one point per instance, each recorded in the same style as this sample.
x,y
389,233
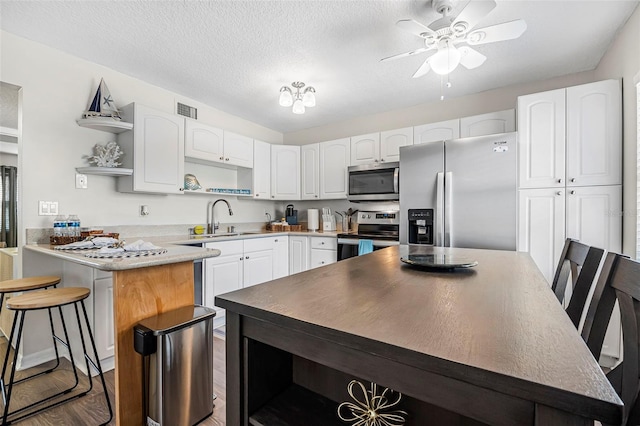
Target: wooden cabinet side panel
x,y
139,294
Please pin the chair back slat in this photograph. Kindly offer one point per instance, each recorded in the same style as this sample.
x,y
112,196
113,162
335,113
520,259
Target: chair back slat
x,y
582,262
583,282
619,280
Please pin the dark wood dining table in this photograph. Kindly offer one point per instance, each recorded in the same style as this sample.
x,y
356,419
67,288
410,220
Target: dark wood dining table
x,y
487,344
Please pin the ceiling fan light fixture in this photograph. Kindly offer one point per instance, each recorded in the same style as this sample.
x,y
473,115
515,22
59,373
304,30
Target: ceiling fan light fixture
x,y
286,97
446,59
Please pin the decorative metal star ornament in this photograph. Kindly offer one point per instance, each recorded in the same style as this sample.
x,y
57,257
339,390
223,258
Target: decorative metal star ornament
x,y
371,409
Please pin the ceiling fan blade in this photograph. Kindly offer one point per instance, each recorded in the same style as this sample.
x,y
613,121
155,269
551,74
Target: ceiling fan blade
x,y
404,55
424,68
416,28
471,58
473,13
500,32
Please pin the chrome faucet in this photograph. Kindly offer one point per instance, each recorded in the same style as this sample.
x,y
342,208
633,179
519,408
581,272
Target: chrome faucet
x,y
212,226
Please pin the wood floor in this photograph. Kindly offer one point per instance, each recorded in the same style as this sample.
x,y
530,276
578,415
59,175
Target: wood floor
x,y
91,409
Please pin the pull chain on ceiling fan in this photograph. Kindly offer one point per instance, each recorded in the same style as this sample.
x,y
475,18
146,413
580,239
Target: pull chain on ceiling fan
x,y
445,33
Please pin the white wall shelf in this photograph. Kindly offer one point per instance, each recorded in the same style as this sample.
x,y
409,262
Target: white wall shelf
x,y
205,192
106,125
105,171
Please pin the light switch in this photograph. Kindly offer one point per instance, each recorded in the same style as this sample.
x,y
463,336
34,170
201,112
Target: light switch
x,y
47,208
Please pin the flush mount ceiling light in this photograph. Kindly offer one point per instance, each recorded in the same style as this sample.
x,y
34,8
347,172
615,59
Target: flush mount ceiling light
x,y
298,98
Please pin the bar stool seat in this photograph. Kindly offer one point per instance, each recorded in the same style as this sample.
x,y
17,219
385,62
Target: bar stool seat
x,y
29,283
50,299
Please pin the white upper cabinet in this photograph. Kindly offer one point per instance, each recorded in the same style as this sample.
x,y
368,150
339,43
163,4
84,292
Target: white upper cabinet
x,y
334,160
488,124
365,149
154,149
541,139
594,134
202,141
285,172
392,140
238,150
261,170
310,183
434,132
571,136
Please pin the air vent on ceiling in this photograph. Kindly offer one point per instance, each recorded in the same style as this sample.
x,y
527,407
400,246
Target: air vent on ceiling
x,y
187,111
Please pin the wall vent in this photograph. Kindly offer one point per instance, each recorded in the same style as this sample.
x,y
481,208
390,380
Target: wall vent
x,y
187,111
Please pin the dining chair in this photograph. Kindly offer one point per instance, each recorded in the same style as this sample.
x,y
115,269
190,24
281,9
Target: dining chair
x,y
582,261
619,280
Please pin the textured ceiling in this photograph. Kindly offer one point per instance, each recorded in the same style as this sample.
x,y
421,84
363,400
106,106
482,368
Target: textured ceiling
x,y
235,55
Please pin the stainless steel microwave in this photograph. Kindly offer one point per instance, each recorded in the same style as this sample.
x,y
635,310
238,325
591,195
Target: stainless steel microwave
x,y
374,182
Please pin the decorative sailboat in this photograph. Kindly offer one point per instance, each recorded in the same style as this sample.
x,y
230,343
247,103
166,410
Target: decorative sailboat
x,y
102,104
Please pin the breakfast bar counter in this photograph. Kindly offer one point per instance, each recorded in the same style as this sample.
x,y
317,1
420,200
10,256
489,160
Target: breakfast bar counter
x,y
488,344
143,286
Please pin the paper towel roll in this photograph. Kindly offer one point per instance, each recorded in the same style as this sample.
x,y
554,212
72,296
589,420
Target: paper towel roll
x,y
312,219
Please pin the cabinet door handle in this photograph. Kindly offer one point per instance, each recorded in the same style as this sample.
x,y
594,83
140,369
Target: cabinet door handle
x,y
559,193
322,242
273,196
559,180
180,189
240,258
246,257
226,159
322,263
316,196
382,160
376,160
221,158
573,179
257,195
276,241
572,192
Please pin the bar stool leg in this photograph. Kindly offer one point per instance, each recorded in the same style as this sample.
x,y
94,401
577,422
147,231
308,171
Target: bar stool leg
x,y
95,365
6,359
13,367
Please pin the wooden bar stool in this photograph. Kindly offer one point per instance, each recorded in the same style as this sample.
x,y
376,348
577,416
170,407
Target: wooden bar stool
x,y
22,285
48,299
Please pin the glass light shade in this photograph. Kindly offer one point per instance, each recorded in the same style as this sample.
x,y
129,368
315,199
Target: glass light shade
x,y
309,99
445,60
286,98
298,107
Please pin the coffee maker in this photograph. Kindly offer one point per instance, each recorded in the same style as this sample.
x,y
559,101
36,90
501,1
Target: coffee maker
x,y
420,226
291,215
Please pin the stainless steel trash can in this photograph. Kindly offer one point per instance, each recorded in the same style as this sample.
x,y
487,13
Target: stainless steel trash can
x,y
178,352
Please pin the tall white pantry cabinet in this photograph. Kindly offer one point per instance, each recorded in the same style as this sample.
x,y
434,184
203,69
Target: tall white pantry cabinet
x,y
570,174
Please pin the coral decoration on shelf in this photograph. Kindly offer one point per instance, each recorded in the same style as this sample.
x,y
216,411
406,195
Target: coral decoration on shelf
x,y
106,155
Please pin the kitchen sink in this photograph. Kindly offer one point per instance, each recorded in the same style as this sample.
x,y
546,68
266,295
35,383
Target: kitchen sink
x,y
224,234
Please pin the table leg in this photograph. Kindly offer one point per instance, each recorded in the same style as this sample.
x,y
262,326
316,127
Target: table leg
x,y
235,364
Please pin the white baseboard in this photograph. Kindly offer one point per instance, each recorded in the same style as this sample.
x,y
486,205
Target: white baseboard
x,y
37,358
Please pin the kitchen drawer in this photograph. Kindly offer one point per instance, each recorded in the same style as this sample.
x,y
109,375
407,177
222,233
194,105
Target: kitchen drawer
x,y
321,257
258,244
324,243
227,247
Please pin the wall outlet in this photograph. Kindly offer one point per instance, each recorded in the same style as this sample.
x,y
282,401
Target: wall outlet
x,y
81,181
47,208
144,210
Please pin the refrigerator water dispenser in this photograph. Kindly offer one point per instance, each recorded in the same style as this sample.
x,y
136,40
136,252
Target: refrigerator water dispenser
x,y
420,226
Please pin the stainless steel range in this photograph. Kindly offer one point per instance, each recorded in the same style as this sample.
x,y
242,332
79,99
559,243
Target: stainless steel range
x,y
381,227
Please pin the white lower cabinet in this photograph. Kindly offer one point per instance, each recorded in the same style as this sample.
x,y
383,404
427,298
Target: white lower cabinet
x,y
324,251
103,326
541,227
280,257
298,254
242,263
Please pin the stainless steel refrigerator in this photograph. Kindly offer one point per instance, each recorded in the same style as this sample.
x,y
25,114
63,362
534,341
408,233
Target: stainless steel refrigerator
x,y
471,185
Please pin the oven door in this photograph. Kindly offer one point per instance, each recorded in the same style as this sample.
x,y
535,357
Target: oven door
x,y
348,247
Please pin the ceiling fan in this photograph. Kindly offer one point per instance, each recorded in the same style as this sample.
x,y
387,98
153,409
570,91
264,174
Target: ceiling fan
x,y
444,34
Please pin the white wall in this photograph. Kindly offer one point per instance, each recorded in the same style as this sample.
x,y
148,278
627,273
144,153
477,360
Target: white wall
x,y
57,88
8,159
623,60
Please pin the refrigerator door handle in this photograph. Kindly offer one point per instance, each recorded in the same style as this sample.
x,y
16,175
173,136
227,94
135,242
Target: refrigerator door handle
x,y
448,208
438,220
